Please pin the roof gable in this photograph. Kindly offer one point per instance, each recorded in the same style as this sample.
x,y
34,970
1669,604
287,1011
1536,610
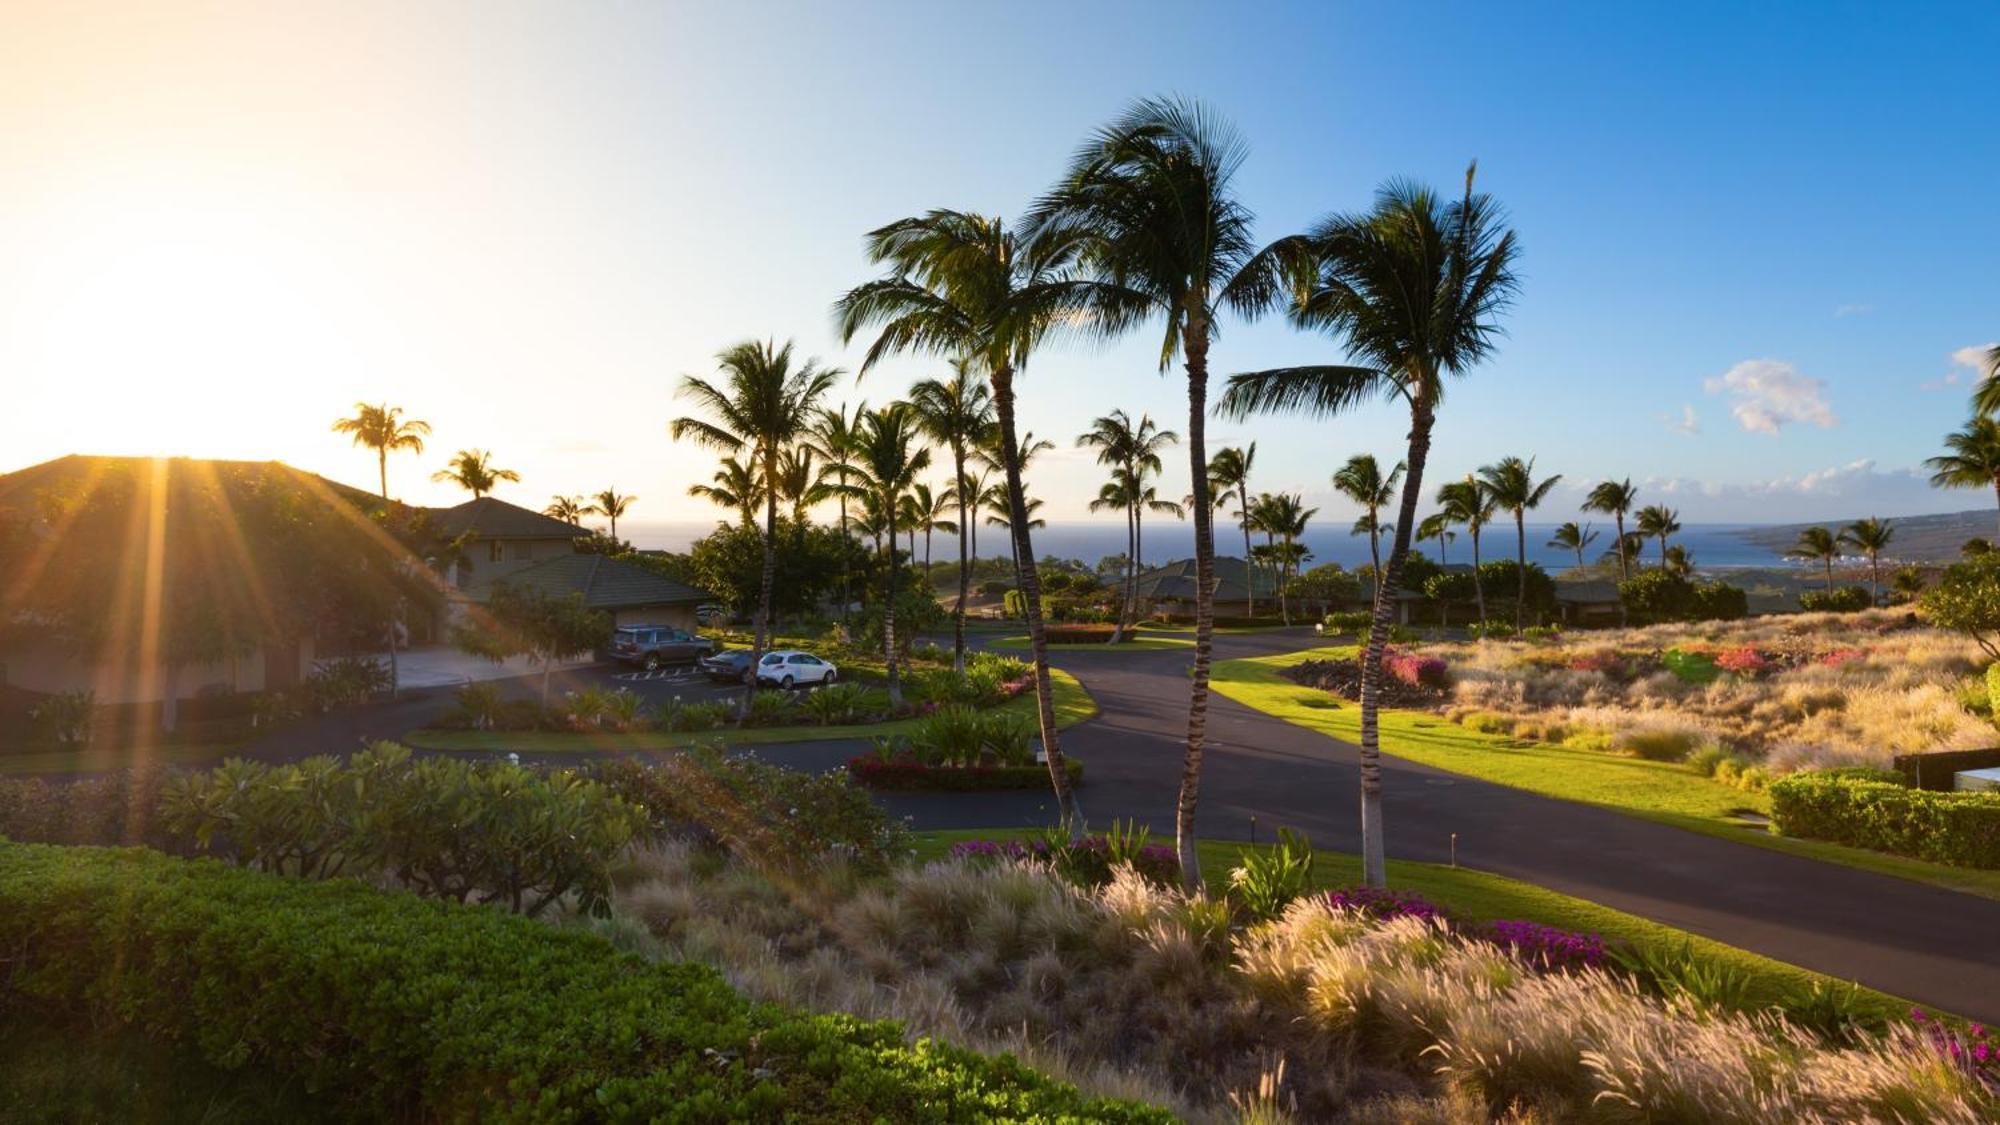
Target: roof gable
x,y
489,518
605,583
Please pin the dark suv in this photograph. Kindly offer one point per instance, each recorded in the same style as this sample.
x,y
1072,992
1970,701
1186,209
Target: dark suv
x,y
655,646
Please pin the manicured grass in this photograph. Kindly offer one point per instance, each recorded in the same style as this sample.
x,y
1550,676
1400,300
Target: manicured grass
x,y
101,759
1663,791
1478,896
1073,705
1691,667
1145,642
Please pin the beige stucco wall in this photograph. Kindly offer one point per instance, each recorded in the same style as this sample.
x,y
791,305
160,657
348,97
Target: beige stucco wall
x,y
42,666
676,615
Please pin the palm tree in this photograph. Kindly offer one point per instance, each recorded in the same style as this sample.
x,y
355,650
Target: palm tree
x,y
610,504
962,285
1436,527
761,406
888,455
1871,537
1132,449
735,487
802,482
833,436
1362,481
1153,195
1678,561
472,470
1464,502
926,511
1129,493
1229,477
1817,544
1511,484
1286,516
957,413
569,509
1414,288
1614,498
1571,537
1986,397
1973,460
1657,521
383,428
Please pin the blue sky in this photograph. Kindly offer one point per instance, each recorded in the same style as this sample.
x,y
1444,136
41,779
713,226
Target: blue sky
x,y
1753,239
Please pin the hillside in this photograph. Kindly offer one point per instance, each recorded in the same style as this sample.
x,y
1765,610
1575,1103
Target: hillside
x,y
1932,538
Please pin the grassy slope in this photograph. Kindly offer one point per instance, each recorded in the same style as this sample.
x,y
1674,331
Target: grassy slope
x,y
1661,791
101,759
1481,897
1073,705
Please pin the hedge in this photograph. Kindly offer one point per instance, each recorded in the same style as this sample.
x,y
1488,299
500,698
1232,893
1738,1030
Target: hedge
x,y
1962,829
871,771
399,1007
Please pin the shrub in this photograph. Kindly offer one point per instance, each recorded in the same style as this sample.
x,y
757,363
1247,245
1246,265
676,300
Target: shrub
x,y
769,709
390,1007
346,681
1415,669
1542,633
1489,630
1355,622
1967,599
1952,827
1376,902
1090,862
846,704
108,808
1847,599
65,718
1547,946
1656,744
1267,882
1743,661
477,707
1652,596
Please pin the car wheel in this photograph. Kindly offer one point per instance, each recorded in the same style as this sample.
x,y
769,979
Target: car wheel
x,y
652,662
830,677
786,683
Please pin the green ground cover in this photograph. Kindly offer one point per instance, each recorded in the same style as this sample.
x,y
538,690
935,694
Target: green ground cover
x,y
1478,896
1144,642
1073,705
97,759
1663,791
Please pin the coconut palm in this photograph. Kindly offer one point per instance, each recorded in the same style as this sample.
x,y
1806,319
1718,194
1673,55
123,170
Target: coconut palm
x,y
802,481
1132,449
1362,481
569,509
761,406
1129,493
472,470
1679,561
1436,527
1511,484
1614,498
1285,516
962,285
957,413
610,504
1871,537
833,435
1973,460
735,486
1413,288
1229,478
1657,521
1153,193
1571,537
1464,502
924,510
888,455
1986,396
1817,544
383,428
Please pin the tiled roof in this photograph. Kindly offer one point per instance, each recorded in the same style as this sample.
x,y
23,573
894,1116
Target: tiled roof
x,y
604,582
1175,580
497,519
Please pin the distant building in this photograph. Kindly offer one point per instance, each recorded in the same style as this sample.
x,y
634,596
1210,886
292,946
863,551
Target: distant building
x,y
631,593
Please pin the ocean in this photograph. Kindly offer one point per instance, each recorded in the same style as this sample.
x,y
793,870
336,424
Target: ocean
x,y
1713,546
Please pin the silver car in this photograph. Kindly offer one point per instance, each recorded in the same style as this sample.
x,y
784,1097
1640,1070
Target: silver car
x,y
789,668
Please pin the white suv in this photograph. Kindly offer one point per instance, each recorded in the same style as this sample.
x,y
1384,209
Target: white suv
x,y
788,669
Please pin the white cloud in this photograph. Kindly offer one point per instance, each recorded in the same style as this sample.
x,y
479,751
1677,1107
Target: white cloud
x,y
1768,393
1973,358
1844,491
1689,423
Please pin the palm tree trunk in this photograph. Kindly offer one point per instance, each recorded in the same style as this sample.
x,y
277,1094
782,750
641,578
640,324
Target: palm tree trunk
x,y
1829,573
1624,570
760,635
1663,550
1478,585
1194,337
1374,847
1375,541
845,543
964,567
1249,573
1002,380
889,602
1125,607
1520,567
382,456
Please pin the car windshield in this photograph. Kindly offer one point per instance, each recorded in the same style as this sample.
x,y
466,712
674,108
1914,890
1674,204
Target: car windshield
x,y
775,658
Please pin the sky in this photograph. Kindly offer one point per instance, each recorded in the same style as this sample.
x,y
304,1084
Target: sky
x,y
1755,238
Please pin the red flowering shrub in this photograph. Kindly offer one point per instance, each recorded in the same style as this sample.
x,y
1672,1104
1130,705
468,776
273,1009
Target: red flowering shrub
x,y
1834,658
1744,661
1415,669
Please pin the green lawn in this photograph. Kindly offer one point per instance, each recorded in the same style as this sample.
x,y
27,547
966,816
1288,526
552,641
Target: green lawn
x,y
1145,642
1073,705
1661,791
100,759
1478,896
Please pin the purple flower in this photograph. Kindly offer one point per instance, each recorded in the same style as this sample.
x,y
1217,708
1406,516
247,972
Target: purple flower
x,y
1377,903
1548,946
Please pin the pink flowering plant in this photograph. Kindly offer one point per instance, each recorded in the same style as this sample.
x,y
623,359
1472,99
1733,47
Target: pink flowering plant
x,y
1743,661
1415,669
1975,1048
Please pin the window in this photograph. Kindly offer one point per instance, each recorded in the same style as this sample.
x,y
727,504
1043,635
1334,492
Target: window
x,y
774,658
493,552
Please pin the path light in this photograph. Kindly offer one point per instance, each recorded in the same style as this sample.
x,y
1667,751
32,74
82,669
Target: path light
x,y
1454,849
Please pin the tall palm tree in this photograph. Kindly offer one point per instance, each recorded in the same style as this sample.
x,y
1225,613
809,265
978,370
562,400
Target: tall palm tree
x,y
1168,242
383,428
1229,477
569,509
472,470
1986,397
1973,460
1362,481
1414,288
1571,537
962,285
1464,502
1129,493
802,482
761,406
1132,449
1657,521
833,435
957,413
888,456
1436,527
1285,516
1817,544
610,504
1871,537
1512,485
735,486
924,510
1614,498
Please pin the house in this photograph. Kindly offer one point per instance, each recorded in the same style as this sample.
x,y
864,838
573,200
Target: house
x,y
502,538
1170,587
632,593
